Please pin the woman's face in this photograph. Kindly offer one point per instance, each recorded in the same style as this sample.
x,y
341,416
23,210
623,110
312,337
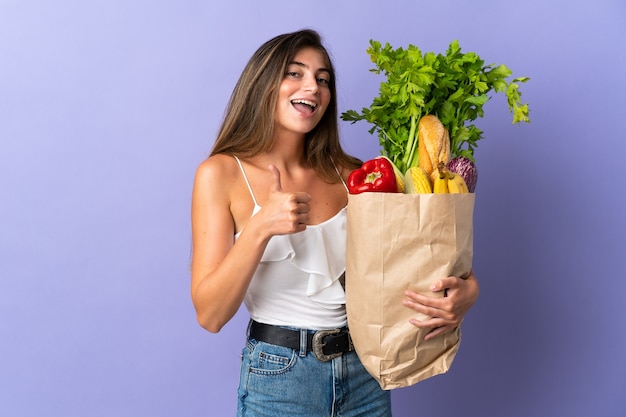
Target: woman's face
x,y
304,92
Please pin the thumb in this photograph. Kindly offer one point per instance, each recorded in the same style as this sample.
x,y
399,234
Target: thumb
x,y
276,186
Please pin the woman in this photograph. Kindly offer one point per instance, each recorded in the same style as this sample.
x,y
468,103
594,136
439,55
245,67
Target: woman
x,y
268,223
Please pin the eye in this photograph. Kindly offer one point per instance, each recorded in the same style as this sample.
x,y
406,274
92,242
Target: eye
x,y
323,81
292,74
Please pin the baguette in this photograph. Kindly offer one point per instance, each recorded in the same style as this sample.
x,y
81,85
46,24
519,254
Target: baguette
x,y
433,144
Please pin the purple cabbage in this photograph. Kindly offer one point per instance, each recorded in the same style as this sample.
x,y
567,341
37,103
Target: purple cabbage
x,y
466,168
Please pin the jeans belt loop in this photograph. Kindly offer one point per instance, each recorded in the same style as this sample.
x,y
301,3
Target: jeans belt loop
x,y
318,345
303,342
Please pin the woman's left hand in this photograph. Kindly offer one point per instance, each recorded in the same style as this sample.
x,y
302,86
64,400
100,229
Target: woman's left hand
x,y
448,311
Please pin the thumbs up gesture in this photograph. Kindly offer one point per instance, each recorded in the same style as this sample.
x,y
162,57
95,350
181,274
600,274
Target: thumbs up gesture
x,y
286,212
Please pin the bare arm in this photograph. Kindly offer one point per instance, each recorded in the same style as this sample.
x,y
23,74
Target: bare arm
x,y
221,269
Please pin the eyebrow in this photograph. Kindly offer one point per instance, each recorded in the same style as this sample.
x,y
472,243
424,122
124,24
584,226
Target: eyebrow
x,y
301,64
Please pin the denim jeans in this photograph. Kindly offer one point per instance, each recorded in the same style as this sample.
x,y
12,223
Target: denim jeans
x,y
281,382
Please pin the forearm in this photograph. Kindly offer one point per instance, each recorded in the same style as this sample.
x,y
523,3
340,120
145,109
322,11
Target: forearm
x,y
218,292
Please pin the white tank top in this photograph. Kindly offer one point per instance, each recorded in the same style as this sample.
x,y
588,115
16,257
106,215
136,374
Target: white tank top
x,y
297,282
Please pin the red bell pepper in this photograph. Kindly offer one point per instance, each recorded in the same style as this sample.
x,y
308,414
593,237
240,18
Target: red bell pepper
x,y
374,175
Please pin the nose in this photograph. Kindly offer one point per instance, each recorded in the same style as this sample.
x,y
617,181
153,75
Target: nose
x,y
310,83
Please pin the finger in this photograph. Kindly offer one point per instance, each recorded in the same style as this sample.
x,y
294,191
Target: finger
x,y
302,199
437,312
433,326
436,332
276,185
442,284
429,323
431,300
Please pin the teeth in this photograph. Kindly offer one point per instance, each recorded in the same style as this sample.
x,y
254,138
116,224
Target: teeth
x,y
308,103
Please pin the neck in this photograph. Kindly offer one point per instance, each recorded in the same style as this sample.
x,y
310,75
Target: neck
x,y
288,150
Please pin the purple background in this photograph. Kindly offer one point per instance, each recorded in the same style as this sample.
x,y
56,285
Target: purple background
x,y
106,108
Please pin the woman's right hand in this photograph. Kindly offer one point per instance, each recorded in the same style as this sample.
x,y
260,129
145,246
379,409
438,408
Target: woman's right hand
x,y
283,212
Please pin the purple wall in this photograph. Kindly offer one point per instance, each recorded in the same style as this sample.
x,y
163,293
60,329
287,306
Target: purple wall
x,y
106,108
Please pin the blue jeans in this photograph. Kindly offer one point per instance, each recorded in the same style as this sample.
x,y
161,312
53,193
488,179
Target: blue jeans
x,y
281,382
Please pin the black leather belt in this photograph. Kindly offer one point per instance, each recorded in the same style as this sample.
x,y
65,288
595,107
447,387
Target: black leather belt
x,y
325,344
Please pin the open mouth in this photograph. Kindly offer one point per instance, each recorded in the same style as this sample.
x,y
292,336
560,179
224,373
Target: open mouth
x,y
304,105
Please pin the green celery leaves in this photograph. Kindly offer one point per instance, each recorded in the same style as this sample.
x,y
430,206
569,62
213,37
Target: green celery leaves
x,y
454,87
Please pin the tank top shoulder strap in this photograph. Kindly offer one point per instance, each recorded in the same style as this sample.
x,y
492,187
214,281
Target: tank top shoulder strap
x,y
245,177
340,177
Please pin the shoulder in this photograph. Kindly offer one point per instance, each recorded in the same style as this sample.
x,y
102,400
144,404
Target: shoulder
x,y
346,171
215,178
216,167
221,169
347,163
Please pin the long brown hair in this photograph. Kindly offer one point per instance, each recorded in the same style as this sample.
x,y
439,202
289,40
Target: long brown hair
x,y
248,126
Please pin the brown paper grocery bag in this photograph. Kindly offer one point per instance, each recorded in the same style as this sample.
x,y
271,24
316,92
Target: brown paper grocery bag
x,y
394,242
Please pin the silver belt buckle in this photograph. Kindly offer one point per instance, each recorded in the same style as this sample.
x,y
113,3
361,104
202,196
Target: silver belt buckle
x,y
318,345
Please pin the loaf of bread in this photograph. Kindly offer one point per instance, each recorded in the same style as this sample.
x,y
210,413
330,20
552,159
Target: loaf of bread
x,y
433,145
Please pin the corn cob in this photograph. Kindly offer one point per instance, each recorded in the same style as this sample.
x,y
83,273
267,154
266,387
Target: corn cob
x,y
399,176
417,181
399,180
